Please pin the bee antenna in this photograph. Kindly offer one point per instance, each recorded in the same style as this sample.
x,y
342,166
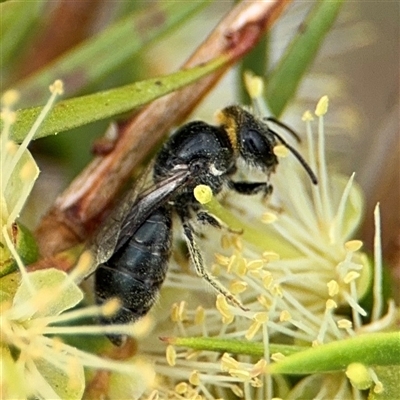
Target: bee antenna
x,y
302,161
284,126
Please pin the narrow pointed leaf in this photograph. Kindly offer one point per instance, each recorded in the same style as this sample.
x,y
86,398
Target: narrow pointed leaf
x,y
369,349
232,346
79,111
287,75
17,21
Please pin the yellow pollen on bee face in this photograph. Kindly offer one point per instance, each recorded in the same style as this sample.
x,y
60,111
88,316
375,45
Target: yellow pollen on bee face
x,y
230,126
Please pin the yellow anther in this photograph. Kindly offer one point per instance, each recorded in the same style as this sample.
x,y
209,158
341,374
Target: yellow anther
x,y
222,260
227,319
268,218
253,329
182,311
199,315
238,286
254,84
277,357
344,324
285,316
232,263
259,368
261,317
222,304
240,266
10,97
256,382
181,388
171,355
269,256
194,378
264,301
330,304
322,106
226,242
333,288
228,362
237,243
378,388
223,308
353,245
240,373
238,391
281,151
255,264
351,276
175,312
57,87
307,116
267,280
203,194
277,291
359,376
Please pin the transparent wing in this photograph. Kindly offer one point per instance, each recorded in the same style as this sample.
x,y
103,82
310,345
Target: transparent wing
x,y
133,210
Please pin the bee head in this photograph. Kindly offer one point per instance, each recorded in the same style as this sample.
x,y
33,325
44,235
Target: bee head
x,y
255,141
250,137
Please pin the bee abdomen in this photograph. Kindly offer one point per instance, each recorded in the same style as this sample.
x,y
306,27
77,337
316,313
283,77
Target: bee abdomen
x,y
136,271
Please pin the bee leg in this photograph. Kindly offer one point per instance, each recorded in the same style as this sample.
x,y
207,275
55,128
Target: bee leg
x,y
197,259
249,188
206,218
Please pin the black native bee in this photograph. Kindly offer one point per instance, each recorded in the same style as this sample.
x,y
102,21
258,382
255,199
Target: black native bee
x,y
136,262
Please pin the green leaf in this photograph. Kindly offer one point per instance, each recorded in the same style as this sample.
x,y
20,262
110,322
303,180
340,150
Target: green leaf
x,y
232,346
101,55
59,293
282,83
79,111
369,349
17,21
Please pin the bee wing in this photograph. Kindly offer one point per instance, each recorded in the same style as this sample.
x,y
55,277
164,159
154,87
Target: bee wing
x,y
136,206
103,244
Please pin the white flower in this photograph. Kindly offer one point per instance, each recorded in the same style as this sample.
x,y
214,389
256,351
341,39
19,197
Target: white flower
x,y
32,324
38,310
294,266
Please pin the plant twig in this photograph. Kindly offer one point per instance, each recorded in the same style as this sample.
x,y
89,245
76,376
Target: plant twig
x,y
80,209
